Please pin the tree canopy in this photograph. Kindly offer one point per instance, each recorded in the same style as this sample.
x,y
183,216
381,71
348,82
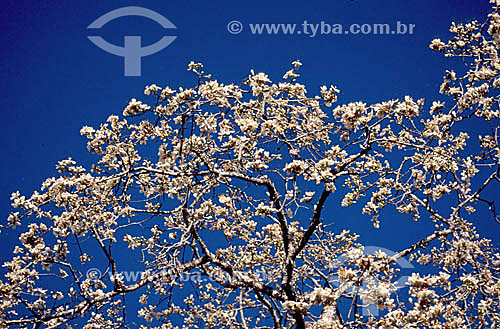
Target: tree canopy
x,y
228,183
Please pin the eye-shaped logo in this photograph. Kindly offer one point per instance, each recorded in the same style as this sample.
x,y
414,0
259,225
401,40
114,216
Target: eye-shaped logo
x,y
132,51
371,308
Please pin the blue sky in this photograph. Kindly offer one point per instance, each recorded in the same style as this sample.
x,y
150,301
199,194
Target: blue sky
x,y
54,80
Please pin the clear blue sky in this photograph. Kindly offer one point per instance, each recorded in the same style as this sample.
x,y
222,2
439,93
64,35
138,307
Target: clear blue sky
x,y
54,80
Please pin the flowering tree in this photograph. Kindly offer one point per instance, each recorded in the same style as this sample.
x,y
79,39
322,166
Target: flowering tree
x,y
230,182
